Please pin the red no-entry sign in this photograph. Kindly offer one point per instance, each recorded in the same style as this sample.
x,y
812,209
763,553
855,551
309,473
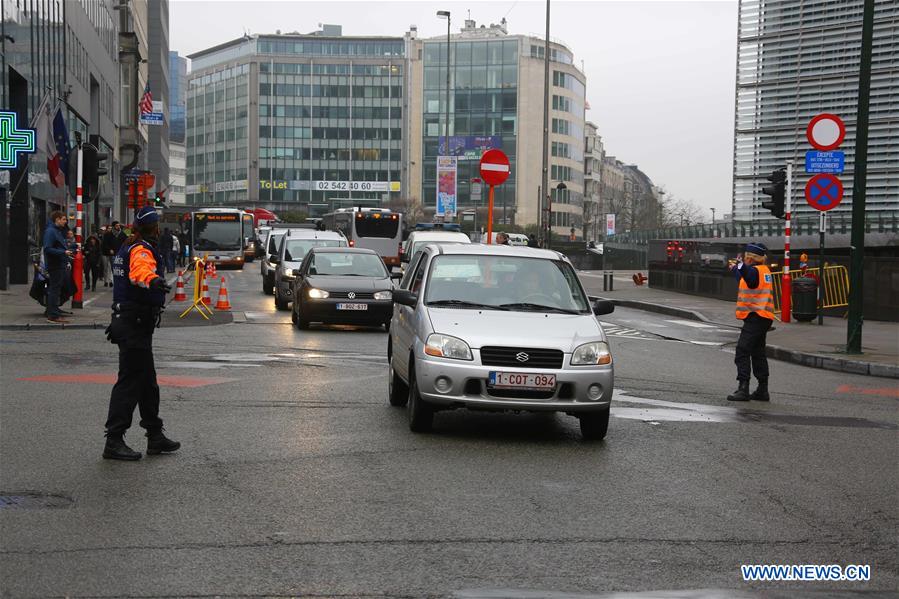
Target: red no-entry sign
x,y
825,132
495,167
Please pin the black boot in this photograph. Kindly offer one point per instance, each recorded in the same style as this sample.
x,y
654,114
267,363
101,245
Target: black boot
x,y
158,443
741,394
761,393
117,450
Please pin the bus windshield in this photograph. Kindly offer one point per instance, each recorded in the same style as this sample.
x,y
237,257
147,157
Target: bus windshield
x,y
217,232
371,225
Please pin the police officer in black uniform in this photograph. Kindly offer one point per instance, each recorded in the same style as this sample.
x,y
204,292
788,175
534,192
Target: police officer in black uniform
x,y
138,297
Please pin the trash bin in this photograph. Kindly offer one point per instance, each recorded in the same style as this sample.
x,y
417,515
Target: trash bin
x,y
805,299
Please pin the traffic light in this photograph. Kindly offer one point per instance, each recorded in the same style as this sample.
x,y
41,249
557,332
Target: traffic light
x,y
92,168
777,191
159,200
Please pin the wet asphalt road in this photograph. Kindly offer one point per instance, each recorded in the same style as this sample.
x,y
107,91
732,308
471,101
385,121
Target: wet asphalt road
x,y
297,478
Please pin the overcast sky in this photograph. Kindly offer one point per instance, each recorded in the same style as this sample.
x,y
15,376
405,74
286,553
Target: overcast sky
x,y
660,75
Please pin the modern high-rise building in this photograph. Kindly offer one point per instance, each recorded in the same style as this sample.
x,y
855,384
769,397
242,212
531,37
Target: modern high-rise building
x,y
496,98
177,108
796,59
158,59
296,121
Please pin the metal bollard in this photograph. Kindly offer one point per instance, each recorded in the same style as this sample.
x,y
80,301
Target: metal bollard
x,y
607,284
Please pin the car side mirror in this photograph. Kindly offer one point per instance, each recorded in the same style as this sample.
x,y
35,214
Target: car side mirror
x,y
396,275
405,297
275,260
404,258
601,307
296,272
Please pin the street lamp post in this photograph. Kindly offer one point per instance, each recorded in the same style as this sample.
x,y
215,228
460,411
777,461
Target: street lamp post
x,y
713,215
446,14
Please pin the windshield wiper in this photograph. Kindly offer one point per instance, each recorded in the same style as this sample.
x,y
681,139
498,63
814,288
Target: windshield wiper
x,y
453,303
537,308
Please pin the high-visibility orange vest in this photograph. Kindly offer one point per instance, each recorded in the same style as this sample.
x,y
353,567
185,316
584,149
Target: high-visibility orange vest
x,y
759,300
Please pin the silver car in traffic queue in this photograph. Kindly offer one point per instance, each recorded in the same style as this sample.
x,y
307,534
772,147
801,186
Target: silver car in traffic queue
x,y
498,328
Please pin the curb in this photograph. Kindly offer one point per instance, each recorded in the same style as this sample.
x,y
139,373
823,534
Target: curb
x,y
775,352
48,326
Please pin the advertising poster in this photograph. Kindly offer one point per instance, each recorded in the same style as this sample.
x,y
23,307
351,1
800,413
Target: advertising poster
x,y
610,224
446,185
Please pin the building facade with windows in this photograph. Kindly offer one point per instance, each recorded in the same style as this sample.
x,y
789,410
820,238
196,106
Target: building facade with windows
x,y
158,72
797,59
307,122
177,108
496,96
69,50
594,218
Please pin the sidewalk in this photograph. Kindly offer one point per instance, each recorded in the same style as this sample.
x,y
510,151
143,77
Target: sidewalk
x,y
802,343
18,311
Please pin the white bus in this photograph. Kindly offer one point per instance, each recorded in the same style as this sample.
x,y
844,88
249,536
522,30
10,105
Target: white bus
x,y
377,229
216,234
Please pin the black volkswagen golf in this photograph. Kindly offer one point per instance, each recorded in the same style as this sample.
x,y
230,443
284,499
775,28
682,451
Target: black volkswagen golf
x,y
342,286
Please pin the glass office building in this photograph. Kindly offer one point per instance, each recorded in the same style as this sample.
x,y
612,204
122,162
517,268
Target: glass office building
x,y
304,122
797,59
496,90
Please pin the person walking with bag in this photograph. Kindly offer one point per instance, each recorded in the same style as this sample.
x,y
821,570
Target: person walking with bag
x,y
755,307
57,258
138,296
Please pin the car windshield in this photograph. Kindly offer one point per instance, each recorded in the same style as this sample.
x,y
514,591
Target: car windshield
x,y
296,249
347,265
505,282
273,239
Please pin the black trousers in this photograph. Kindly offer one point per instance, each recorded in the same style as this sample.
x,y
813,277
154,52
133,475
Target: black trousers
x,y
751,349
54,285
136,386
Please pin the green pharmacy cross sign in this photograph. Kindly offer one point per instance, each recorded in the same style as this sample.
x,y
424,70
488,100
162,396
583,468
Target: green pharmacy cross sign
x,y
13,140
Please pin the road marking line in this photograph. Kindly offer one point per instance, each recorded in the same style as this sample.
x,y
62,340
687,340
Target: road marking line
x,y
688,323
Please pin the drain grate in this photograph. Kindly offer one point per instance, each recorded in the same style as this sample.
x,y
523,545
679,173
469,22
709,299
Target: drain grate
x,y
34,501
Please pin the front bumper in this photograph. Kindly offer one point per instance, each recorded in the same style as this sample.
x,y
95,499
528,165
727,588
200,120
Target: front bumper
x,y
285,288
468,386
325,310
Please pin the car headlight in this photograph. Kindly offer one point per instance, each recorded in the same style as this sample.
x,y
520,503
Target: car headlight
x,y
444,346
318,293
383,295
287,272
592,354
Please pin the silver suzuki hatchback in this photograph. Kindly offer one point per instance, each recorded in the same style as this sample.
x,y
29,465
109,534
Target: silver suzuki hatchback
x,y
491,327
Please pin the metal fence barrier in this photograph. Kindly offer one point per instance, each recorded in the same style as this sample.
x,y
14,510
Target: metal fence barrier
x,y
836,285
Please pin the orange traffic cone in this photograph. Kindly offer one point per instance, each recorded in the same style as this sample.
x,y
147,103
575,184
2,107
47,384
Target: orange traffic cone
x,y
180,296
223,303
205,298
214,273
208,269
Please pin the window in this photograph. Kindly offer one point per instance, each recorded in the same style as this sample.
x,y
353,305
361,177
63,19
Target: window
x,y
561,149
561,126
561,103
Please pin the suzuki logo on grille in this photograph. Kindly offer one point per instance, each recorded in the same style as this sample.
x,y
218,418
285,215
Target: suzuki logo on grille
x,y
351,295
522,357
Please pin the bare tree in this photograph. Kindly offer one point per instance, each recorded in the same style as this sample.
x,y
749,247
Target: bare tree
x,y
411,209
680,211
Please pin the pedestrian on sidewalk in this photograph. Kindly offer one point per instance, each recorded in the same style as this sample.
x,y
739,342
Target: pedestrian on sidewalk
x,y
165,249
755,307
93,262
138,296
57,257
176,251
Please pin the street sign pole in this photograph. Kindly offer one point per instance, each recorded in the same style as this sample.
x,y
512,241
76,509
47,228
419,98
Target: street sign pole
x,y
78,267
821,279
786,298
490,216
859,181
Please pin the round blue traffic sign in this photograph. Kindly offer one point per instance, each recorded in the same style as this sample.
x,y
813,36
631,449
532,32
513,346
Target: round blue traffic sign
x,y
824,192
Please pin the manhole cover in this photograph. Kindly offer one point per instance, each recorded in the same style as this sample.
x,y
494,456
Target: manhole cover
x,y
34,501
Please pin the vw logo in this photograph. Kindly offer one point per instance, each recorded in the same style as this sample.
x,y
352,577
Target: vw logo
x,y
351,295
522,357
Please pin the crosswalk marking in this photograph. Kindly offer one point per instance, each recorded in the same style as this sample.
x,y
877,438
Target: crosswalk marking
x,y
690,323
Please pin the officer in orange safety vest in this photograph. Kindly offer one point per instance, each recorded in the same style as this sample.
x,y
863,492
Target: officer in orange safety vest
x,y
755,307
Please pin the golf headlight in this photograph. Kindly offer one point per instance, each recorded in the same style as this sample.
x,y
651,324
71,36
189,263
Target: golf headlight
x,y
444,346
286,272
592,354
318,293
383,295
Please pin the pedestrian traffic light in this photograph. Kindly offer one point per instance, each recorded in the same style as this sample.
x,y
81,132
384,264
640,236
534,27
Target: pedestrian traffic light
x,y
777,191
159,200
